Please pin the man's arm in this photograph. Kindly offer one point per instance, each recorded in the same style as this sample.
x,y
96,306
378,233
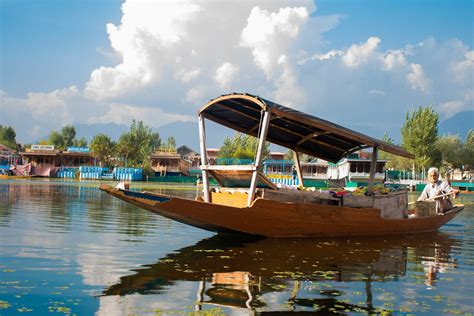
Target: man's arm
x,y
424,194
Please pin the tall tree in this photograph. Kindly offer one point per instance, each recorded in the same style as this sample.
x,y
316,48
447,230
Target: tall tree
x,y
393,161
56,139
171,143
450,150
69,134
155,141
241,146
468,151
419,135
8,137
136,145
102,148
82,142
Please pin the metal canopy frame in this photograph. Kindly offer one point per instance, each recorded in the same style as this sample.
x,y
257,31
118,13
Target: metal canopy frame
x,y
292,129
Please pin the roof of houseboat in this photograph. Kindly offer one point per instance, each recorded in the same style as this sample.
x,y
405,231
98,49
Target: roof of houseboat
x,y
290,128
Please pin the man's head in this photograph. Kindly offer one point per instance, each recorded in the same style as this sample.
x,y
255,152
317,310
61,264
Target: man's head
x,y
433,175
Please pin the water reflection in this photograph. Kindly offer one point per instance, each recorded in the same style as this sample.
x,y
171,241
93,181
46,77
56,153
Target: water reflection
x,y
305,274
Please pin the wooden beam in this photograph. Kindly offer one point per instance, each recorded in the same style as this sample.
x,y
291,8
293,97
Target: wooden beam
x,y
259,156
204,162
310,136
296,158
373,167
230,167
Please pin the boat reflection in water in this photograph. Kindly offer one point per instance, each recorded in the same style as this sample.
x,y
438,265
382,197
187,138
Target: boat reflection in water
x,y
242,274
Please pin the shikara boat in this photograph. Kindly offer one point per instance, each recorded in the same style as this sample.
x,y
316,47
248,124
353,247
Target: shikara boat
x,y
248,202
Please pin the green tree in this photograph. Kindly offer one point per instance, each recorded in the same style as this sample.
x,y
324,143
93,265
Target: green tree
x,y
136,145
68,133
419,136
8,137
241,146
450,150
467,154
56,139
102,148
155,141
170,143
82,142
393,161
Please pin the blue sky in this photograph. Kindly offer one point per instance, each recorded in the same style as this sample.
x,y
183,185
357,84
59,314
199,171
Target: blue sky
x,y
96,61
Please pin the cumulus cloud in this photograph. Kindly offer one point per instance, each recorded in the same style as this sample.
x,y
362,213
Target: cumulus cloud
x,y
225,74
417,78
463,71
269,34
152,116
358,54
39,110
393,59
172,57
159,40
448,109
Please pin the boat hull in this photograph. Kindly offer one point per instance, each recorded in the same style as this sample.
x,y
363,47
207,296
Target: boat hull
x,y
278,219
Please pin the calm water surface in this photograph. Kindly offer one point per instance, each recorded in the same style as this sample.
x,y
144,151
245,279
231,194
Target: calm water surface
x,y
68,248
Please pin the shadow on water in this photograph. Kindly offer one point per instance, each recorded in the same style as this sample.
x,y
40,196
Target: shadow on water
x,y
239,273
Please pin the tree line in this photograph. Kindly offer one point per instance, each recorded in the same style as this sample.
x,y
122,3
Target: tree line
x,y
133,147
419,135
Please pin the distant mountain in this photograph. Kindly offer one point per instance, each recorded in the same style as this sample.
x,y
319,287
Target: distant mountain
x,y
459,124
187,133
88,131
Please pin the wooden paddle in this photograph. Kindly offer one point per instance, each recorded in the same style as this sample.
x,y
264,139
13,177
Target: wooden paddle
x,y
435,197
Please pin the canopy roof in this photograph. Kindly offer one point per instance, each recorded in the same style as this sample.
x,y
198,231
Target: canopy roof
x,y
290,128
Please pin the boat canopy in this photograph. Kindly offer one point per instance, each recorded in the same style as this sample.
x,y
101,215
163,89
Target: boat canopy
x,y
298,131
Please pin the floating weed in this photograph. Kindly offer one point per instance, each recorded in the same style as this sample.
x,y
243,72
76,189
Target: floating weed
x,y
24,309
208,250
453,311
4,305
9,270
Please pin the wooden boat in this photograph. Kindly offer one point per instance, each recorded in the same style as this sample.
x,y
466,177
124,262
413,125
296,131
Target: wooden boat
x,y
8,177
247,202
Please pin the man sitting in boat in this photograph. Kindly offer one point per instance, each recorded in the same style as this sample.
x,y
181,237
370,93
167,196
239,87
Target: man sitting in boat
x,y
437,190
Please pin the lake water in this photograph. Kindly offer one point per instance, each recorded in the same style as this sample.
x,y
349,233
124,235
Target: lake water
x,y
68,248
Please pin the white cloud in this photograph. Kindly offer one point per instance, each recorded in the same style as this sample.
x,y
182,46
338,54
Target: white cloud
x,y
287,90
448,109
417,78
177,55
187,76
225,74
269,34
151,116
329,55
463,71
393,59
40,111
148,30
358,54
376,92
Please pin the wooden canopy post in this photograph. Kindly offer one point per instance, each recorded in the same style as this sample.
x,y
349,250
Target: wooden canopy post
x,y
258,157
296,158
204,162
373,167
